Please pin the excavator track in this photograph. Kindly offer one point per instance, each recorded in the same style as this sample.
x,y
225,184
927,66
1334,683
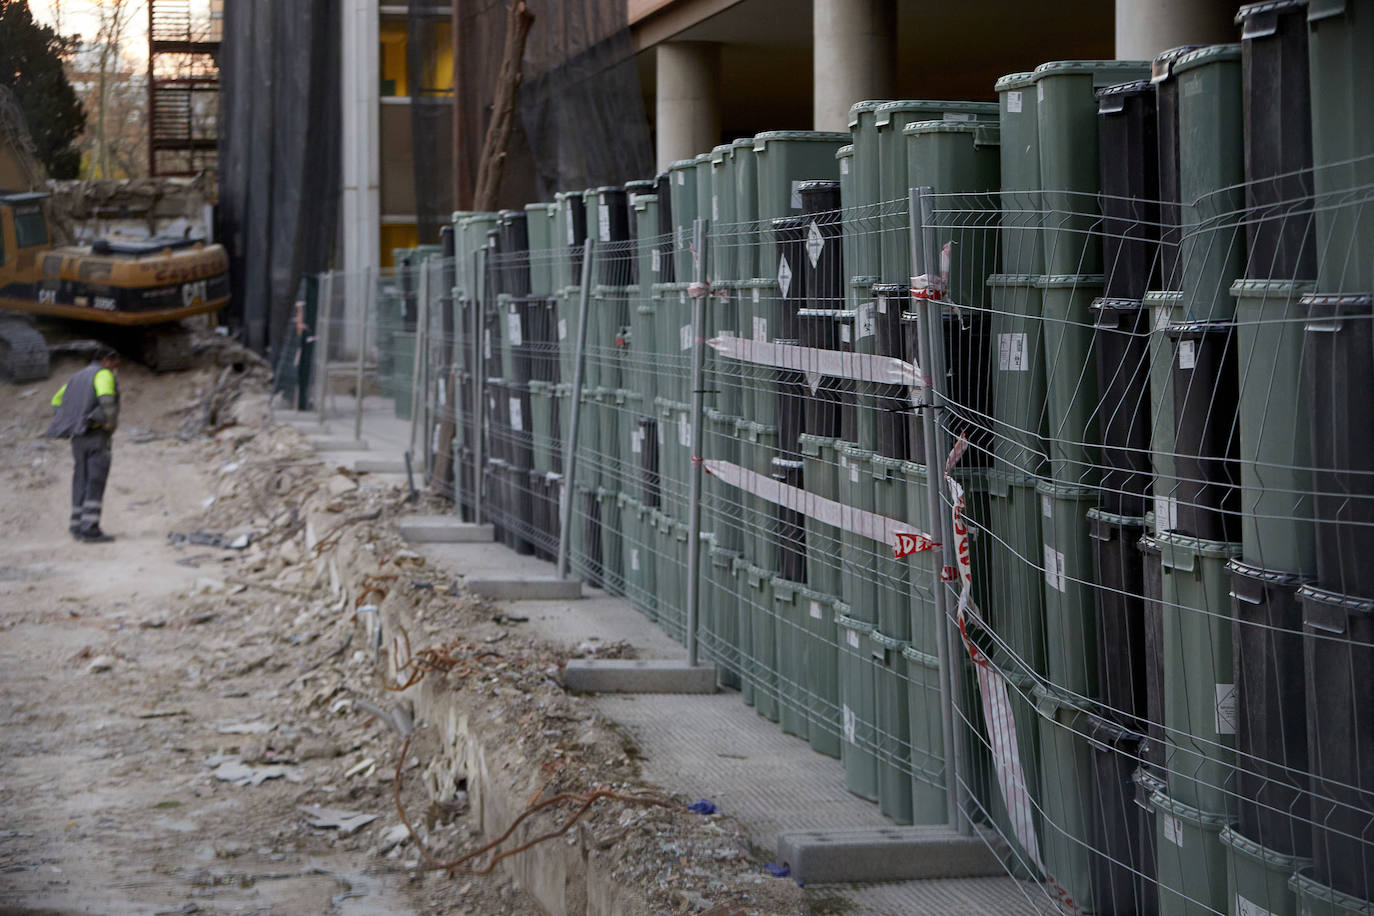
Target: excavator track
x,y
23,352
166,348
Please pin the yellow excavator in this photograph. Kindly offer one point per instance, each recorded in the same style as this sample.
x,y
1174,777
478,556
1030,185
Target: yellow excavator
x,y
138,290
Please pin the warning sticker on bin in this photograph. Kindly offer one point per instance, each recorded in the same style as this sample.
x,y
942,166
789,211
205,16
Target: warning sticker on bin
x,y
1226,709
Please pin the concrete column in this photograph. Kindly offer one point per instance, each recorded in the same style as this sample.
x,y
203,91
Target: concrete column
x,y
687,117
1146,27
855,44
361,167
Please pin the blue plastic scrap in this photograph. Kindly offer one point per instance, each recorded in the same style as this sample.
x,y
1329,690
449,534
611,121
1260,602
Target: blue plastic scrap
x,y
778,871
702,807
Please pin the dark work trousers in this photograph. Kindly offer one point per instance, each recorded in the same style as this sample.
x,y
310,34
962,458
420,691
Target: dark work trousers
x,y
91,459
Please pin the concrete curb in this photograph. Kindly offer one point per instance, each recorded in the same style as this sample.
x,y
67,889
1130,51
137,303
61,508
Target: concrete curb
x,y
886,854
628,675
443,529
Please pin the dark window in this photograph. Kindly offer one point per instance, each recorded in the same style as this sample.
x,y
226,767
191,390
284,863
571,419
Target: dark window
x,y
29,226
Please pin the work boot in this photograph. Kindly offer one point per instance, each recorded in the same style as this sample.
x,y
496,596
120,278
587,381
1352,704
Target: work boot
x,y
75,531
94,536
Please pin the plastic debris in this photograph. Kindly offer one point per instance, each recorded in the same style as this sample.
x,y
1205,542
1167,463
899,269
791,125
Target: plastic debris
x,y
778,871
346,822
702,807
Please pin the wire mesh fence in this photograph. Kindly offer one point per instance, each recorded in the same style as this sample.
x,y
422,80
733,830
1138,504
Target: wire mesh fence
x,y
1046,512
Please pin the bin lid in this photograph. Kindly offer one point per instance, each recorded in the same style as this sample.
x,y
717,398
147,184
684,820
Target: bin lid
x,y
845,622
1103,72
1162,67
1022,80
762,140
984,133
924,659
1196,330
1197,818
887,642
1112,99
720,153
1202,57
1264,289
937,109
477,219
642,186
1069,281
1329,611
1181,551
548,206
845,152
681,164
1057,490
818,184
865,107
1112,518
1259,20
1110,313
1267,576
1013,279
825,313
1163,297
1339,304
743,144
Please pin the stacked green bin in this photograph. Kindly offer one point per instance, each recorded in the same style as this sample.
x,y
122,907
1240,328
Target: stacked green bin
x,y
858,705
1211,179
821,664
1022,251
1165,307
763,659
723,592
1066,794
1340,34
636,522
858,553
925,730
1070,376
890,120
1316,899
892,693
1257,878
723,250
1018,377
758,448
629,406
569,234
1189,858
542,424
672,341
674,455
891,488
784,159
862,254
1070,605
723,506
921,567
588,441
612,559
472,231
1066,112
746,237
1275,445
541,219
682,179
1199,696
823,542
850,242
1016,582
792,604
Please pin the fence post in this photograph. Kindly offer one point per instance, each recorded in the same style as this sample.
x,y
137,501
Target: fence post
x,y
369,300
479,382
567,509
924,260
421,343
322,340
699,293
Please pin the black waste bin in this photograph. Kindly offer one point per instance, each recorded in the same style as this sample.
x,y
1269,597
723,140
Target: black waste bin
x,y
1128,149
824,263
1338,633
616,257
1171,208
820,330
591,537
968,385
1122,654
665,229
513,245
790,533
1271,710
894,405
1205,411
1118,855
1340,339
651,484
1123,383
1152,580
1278,141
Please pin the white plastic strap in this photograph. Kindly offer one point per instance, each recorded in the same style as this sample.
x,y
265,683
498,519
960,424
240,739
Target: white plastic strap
x,y
860,367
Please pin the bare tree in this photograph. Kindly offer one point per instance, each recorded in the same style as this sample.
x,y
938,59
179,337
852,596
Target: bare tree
x,y
113,18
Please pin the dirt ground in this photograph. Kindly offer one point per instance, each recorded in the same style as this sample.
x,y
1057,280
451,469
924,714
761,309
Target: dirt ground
x,y
187,718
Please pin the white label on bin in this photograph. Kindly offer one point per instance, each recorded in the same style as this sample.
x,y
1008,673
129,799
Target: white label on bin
x,y
865,321
658,427
1011,352
844,333
816,611
815,243
1250,908
1226,709
443,393
853,637
517,419
684,336
784,275
844,166
513,329
1166,514
637,442
1040,92
754,294
684,431
434,442
1187,354
603,219
715,206
572,237
486,342
1173,829
653,259
1054,569
957,116
796,194
562,329
882,305
848,718
1014,102
853,473
1046,506
681,178
634,559
1162,320
760,324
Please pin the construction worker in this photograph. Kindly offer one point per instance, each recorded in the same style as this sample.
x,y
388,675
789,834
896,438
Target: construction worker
x,y
86,410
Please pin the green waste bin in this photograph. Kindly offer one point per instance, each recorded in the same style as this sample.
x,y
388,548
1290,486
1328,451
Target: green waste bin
x,y
704,188
472,238
823,541
648,257
1340,34
758,448
1070,603
921,567
1066,112
890,119
612,305
1316,899
892,692
682,181
541,219
784,159
1016,573
569,234
674,455
791,609
636,547
1189,857
959,160
744,626
863,133
1257,878
858,706
1165,306
629,407
763,659
858,554
746,236
1022,251
925,732
850,239
1066,795
723,504
588,443
1025,721
1275,444
1071,377
724,249
890,573
1199,693
1211,179
1018,378
641,366
722,590
542,431
612,566
821,662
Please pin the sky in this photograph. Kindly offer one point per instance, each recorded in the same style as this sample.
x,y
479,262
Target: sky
x,y
79,16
